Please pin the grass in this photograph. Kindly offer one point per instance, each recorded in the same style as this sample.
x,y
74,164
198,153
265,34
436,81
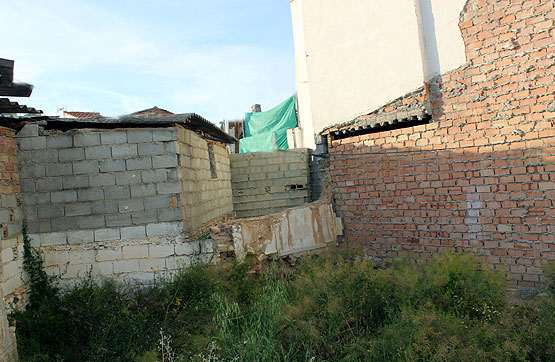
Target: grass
x,y
333,308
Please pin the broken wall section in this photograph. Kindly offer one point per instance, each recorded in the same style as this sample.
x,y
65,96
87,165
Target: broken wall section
x,y
292,231
268,182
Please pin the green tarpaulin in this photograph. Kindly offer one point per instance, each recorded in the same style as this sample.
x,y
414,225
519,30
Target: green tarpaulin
x,y
267,131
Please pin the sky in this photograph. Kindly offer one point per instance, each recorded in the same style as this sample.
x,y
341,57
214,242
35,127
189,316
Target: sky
x,y
212,57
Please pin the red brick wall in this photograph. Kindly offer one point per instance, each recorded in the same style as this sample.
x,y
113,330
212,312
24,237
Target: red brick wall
x,y
10,222
479,177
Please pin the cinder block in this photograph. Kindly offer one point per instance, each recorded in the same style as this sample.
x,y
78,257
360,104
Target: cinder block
x,y
107,234
50,211
75,182
32,171
164,228
76,271
128,178
138,163
170,214
112,165
41,226
172,174
90,194
59,141
27,185
164,161
56,258
5,216
61,224
170,147
164,134
104,207
53,239
29,130
188,248
80,237
60,169
165,188
84,167
102,179
63,196
131,205
135,252
71,154
149,149
43,156
108,254
152,264
143,190
82,256
178,262
124,151
159,202
144,217
139,136
150,176
84,138
13,229
105,268
79,209
118,220
113,137
32,143
117,192
98,152
133,232
126,266
91,221
49,184
160,251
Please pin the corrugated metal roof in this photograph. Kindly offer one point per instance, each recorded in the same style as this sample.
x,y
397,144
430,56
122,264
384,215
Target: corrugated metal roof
x,y
9,107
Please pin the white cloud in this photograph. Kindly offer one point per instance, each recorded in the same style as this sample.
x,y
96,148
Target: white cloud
x,y
86,57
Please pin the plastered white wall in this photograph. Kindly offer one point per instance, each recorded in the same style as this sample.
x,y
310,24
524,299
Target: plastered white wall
x,y
354,56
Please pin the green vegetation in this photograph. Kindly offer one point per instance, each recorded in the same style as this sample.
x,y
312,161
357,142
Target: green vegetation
x,y
333,308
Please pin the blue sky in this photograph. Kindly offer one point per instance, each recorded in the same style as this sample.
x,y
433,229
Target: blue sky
x,y
212,57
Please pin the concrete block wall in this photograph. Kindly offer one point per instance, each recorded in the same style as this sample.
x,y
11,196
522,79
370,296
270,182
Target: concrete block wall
x,y
107,201
126,258
206,195
98,180
10,241
481,176
268,182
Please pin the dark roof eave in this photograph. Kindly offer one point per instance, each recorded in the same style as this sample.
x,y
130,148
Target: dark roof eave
x,y
190,120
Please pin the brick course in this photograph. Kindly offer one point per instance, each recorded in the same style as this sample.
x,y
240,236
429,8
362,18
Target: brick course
x,y
479,177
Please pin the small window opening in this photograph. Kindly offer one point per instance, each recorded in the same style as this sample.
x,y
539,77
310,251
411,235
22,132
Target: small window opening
x,y
296,187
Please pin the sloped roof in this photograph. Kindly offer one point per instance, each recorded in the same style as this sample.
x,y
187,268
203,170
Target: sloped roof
x,y
73,114
190,121
151,112
9,107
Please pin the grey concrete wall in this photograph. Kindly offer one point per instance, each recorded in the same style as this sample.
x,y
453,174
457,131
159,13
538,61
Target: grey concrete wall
x,y
99,182
206,194
113,202
268,182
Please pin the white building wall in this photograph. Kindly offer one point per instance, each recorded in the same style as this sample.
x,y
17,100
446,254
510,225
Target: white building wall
x,y
354,56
